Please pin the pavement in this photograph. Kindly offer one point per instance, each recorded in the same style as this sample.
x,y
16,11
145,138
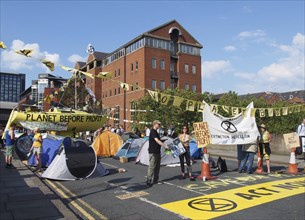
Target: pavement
x,y
24,195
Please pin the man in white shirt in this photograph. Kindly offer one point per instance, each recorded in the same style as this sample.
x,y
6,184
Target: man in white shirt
x,y
301,133
147,131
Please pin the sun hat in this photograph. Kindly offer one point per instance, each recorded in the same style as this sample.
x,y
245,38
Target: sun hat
x,y
156,122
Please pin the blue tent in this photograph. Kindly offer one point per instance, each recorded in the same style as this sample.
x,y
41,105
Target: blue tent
x,y
194,150
130,149
49,151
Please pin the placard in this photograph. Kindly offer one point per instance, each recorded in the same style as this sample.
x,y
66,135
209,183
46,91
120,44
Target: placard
x,y
202,133
291,140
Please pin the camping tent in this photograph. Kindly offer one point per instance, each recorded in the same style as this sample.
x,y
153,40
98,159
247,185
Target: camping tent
x,y
74,160
107,144
130,149
143,156
50,147
194,150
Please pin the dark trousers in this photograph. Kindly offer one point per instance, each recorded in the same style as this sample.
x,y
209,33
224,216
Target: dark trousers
x,y
187,157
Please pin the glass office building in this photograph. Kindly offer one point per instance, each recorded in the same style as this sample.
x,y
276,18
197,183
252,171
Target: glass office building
x,y
11,85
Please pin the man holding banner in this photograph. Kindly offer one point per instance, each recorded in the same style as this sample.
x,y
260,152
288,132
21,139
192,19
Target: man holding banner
x,y
301,134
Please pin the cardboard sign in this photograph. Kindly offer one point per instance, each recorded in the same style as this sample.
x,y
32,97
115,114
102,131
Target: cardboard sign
x,y
291,140
202,133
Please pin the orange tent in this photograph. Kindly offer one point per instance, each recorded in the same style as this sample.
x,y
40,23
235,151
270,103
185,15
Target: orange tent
x,y
107,144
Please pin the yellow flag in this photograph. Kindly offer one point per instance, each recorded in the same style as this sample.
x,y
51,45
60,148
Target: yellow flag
x,y
26,53
56,92
2,45
164,99
190,105
48,64
87,74
253,110
153,94
234,111
177,101
297,108
200,106
47,99
285,110
214,108
277,112
244,111
262,112
105,75
270,112
124,86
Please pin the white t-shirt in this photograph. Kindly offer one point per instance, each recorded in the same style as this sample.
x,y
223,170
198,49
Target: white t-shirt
x,y
301,130
147,132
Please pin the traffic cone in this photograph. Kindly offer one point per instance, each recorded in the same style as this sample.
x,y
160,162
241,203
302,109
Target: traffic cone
x,y
292,168
205,167
260,169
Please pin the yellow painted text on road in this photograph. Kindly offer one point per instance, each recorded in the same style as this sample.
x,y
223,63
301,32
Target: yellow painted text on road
x,y
226,202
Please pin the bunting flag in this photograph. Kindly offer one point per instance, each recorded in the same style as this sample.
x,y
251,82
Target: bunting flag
x,y
214,108
277,112
235,111
227,131
270,112
253,110
190,106
200,106
48,64
2,45
124,86
244,111
262,112
153,94
164,99
25,52
177,101
75,71
105,75
285,110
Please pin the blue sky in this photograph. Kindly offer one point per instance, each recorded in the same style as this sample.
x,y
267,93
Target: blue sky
x,y
248,46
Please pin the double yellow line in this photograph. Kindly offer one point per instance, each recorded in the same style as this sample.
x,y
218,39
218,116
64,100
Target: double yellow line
x,y
77,203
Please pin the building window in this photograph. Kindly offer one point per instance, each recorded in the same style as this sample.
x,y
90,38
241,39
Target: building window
x,y
194,87
110,93
162,85
114,91
115,73
186,68
186,86
193,69
137,65
131,67
119,90
119,72
162,64
153,63
154,84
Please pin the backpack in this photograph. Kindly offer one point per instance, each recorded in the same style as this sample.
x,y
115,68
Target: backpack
x,y
222,165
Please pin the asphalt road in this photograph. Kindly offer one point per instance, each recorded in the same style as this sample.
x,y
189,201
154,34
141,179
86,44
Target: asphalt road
x,y
231,196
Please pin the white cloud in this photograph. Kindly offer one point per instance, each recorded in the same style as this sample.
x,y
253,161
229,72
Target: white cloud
x,y
211,68
257,34
75,58
16,62
229,48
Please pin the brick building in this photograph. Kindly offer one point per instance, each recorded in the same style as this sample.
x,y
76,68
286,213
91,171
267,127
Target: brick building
x,y
164,57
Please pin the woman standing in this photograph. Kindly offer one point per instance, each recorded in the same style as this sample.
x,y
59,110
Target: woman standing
x,y
37,148
185,138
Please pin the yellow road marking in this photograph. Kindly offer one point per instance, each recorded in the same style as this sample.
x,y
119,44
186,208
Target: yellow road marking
x,y
73,202
215,205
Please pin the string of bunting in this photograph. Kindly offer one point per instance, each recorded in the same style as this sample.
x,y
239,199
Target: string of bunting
x,y
164,99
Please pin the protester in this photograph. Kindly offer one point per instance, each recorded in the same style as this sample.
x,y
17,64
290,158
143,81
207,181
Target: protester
x,y
185,138
301,134
9,145
147,131
264,145
154,150
240,154
250,151
1,134
36,148
137,132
